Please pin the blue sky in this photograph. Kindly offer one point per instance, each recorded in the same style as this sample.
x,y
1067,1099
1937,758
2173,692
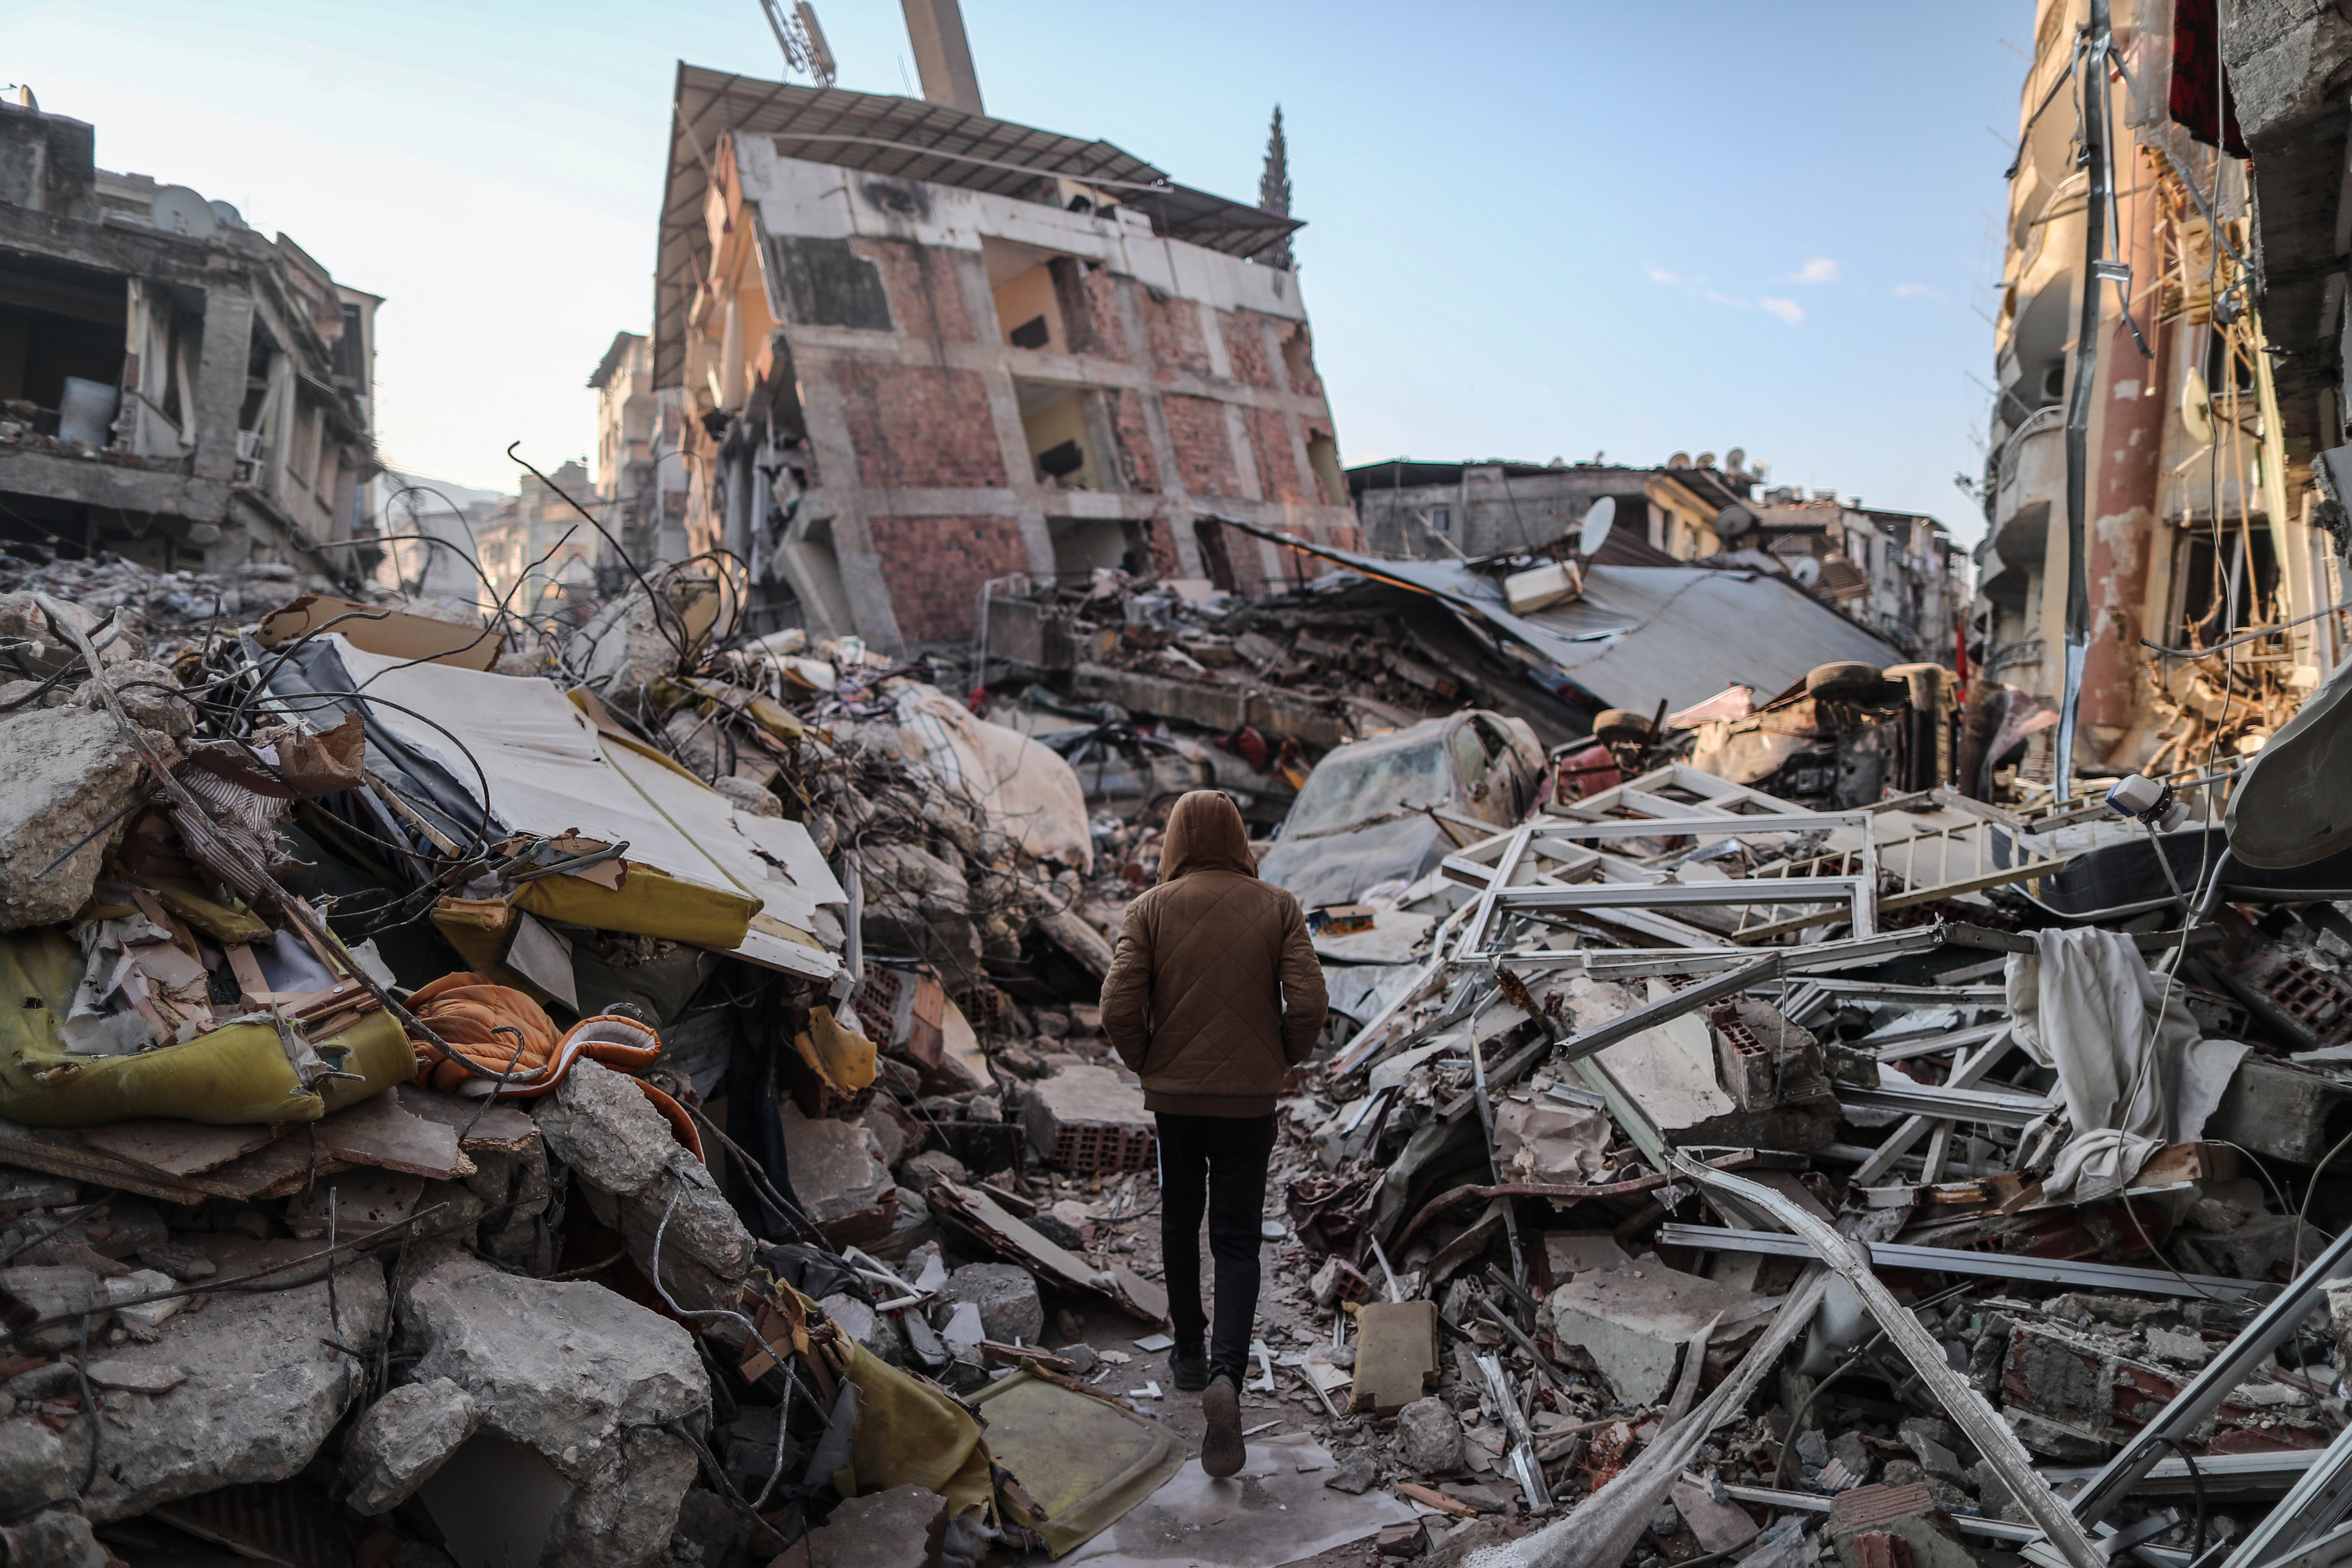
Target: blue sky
x,y
1533,230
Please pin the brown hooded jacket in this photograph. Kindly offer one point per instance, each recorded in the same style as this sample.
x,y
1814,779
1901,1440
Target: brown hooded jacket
x,y
1214,990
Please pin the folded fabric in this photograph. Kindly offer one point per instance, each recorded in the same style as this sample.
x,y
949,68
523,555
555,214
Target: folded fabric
x,y
485,1024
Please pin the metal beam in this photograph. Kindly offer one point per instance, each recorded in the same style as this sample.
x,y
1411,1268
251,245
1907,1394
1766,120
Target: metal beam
x,y
1987,1107
2235,1364
1963,1260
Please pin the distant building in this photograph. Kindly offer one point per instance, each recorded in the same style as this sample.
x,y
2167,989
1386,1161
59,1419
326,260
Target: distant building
x,y
915,350
173,387
428,531
1895,573
642,482
539,555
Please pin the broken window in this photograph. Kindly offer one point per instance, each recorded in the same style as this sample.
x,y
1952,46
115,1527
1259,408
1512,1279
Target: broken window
x,y
1027,311
1441,519
57,322
1054,419
2224,587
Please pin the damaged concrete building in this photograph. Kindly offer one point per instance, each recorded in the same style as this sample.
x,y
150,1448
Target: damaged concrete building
x,y
918,349
173,387
1895,573
2191,430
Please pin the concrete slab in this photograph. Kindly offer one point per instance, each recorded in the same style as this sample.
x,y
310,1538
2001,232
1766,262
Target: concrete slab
x,y
1396,1354
1635,1321
1279,1510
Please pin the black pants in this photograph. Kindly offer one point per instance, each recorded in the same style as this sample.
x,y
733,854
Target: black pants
x,y
1214,1166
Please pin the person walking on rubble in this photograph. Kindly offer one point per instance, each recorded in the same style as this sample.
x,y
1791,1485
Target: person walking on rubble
x,y
1214,994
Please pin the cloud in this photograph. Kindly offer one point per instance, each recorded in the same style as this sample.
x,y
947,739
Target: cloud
x,y
1820,269
1787,310
1919,291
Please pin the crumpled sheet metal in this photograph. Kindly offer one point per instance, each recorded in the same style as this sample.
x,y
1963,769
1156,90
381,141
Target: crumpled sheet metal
x,y
1601,1532
1993,1437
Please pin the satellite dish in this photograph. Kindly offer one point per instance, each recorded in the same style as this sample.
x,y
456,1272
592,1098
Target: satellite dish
x,y
228,214
1805,570
2197,408
1733,520
1736,460
1594,532
179,210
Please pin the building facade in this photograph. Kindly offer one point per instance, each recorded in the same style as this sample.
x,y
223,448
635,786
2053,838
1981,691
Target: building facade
x,y
2209,387
173,387
915,350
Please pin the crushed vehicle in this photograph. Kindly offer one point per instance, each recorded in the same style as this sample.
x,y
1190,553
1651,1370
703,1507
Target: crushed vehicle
x,y
1388,808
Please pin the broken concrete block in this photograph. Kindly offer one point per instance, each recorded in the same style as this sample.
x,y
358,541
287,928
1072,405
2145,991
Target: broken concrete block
x,y
1356,1473
1091,1119
839,1174
1930,1443
1005,1295
63,773
1429,1438
54,1538
584,1378
1720,1527
250,1386
874,1330
1635,1321
1396,1355
34,1467
925,1171
1848,1449
400,1440
600,1123
45,1289
1908,1513
2181,1346
902,1528
125,1289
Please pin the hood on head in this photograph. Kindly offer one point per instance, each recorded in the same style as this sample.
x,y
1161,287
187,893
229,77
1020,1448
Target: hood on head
x,y
1205,834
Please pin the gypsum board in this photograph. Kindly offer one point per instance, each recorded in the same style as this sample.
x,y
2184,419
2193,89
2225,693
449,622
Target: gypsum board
x,y
1962,1260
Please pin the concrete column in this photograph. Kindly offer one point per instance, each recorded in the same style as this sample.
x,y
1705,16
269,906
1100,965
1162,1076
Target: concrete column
x,y
2126,476
942,54
220,378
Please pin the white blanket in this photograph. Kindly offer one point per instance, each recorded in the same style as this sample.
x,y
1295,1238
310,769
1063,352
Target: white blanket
x,y
2132,1069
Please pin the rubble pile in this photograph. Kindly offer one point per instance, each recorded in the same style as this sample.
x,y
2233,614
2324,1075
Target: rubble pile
x,y
635,1094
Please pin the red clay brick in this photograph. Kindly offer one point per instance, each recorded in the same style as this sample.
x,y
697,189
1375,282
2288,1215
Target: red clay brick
x,y
935,566
1088,297
1277,465
926,297
1205,456
1246,347
1174,329
1134,442
917,427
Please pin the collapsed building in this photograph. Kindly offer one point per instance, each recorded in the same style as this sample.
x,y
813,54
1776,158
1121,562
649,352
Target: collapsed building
x,y
1895,573
2156,491
173,387
916,349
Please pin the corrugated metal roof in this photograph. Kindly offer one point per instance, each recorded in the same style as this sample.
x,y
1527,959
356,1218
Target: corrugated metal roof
x,y
1642,634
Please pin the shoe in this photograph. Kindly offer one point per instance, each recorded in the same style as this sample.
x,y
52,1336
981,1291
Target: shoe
x,y
1222,1451
1188,1372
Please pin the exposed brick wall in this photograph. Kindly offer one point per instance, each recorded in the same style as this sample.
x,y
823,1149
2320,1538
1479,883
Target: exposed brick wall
x,y
1246,347
1298,360
934,567
1277,465
917,427
1173,327
1205,456
927,298
1089,297
1160,539
1134,442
